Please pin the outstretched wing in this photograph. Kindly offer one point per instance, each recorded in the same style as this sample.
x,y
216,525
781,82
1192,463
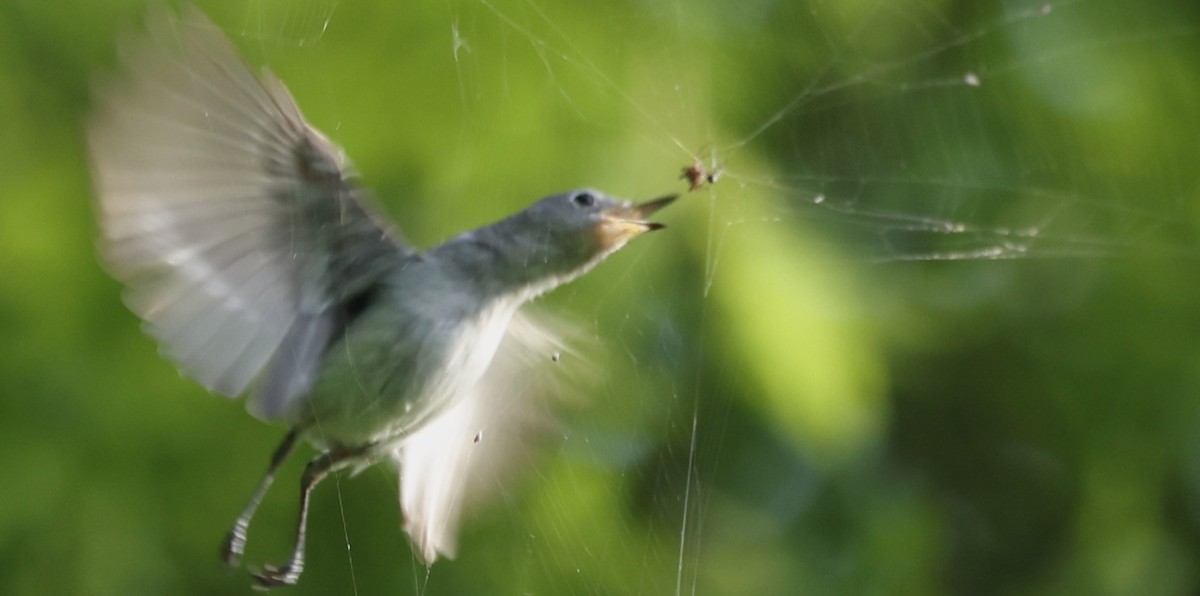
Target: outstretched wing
x,y
235,225
477,448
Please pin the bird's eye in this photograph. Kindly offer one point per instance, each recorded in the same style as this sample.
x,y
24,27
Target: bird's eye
x,y
584,199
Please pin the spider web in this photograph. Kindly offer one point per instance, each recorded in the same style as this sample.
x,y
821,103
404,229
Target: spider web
x,y
849,144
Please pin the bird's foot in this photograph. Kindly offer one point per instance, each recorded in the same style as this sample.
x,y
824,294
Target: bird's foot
x,y
273,577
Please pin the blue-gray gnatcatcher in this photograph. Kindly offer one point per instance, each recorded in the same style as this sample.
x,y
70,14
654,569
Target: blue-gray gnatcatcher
x,y
257,262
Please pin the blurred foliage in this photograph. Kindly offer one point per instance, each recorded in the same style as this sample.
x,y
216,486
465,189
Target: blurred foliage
x,y
817,381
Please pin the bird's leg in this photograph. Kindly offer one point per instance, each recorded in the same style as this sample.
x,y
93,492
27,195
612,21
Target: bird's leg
x,y
235,541
316,471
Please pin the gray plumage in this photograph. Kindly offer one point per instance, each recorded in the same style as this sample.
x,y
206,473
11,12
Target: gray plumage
x,y
258,263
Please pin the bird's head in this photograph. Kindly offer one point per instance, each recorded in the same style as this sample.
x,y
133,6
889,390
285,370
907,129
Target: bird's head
x,y
581,227
552,241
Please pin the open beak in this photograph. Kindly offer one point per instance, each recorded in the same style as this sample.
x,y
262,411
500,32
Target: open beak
x,y
620,224
635,216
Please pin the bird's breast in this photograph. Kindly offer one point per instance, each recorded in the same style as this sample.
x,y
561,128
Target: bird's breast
x,y
402,363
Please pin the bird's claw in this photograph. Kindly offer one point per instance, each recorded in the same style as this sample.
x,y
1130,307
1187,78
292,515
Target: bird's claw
x,y
273,577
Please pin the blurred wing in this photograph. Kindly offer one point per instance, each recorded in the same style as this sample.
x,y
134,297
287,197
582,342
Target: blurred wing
x,y
234,224
478,447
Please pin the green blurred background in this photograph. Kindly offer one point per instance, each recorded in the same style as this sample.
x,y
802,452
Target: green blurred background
x,y
934,330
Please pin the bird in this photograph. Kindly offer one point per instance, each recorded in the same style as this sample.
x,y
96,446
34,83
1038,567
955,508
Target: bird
x,y
263,267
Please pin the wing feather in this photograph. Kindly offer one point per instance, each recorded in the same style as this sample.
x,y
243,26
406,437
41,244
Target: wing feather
x,y
235,225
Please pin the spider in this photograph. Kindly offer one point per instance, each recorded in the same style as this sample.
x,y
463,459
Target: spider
x,y
697,176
